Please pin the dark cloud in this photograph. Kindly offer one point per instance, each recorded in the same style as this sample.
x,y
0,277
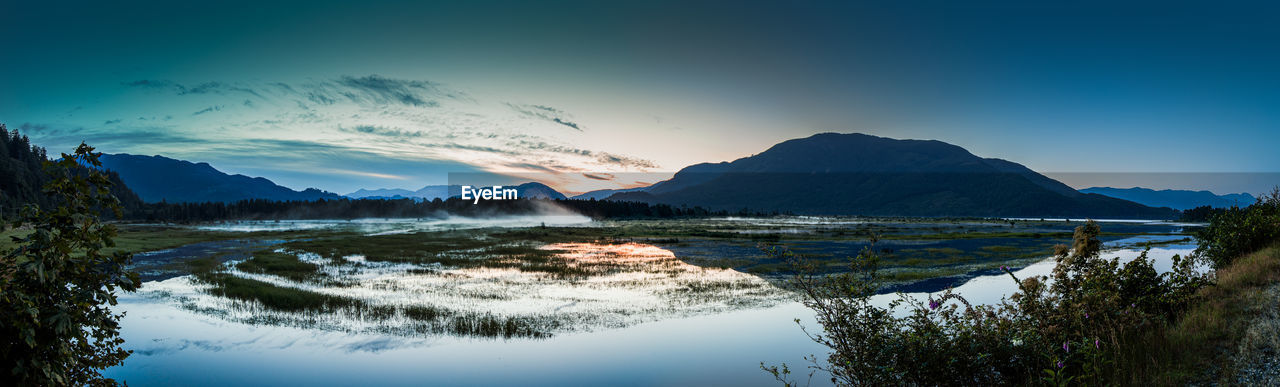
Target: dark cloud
x,y
609,158
546,113
599,176
567,123
207,110
533,166
202,88
407,92
602,157
383,131
109,122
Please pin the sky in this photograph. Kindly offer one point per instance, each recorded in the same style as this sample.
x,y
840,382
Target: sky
x,y
342,95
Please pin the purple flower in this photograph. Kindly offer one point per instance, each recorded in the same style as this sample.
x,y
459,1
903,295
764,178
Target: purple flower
x,y
1005,268
1086,314
1066,347
1096,345
1060,364
933,304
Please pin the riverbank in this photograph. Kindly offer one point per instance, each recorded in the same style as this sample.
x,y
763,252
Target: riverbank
x,y
1229,335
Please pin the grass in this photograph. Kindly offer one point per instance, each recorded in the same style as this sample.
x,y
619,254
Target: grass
x,y
141,238
280,264
209,271
1205,343
276,297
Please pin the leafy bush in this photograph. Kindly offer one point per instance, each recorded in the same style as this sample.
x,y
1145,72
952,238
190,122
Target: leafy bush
x,y
1070,327
56,286
1239,231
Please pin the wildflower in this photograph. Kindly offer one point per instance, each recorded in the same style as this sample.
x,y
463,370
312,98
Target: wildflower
x,y
1066,347
1096,345
1060,365
1005,268
933,305
1086,314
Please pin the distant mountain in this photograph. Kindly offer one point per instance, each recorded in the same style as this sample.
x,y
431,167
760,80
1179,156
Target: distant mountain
x,y
158,178
600,194
1176,199
381,193
536,190
858,174
431,192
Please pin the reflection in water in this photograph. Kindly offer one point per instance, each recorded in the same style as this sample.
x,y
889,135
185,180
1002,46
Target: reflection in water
x,y
399,225
990,289
631,313
611,285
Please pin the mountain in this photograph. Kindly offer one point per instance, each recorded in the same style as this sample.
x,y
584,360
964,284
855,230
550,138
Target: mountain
x,y
536,190
858,174
158,178
1176,199
600,194
381,193
431,192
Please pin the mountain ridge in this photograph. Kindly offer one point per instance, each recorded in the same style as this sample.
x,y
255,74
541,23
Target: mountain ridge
x,y
158,178
860,174
1174,198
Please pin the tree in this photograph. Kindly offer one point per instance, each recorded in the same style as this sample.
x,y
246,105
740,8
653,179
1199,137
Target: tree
x,y
58,283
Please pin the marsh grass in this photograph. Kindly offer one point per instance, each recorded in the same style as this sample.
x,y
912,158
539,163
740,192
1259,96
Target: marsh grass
x,y
280,264
276,297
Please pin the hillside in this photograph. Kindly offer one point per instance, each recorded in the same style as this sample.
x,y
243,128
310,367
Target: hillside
x,y
22,176
858,174
158,178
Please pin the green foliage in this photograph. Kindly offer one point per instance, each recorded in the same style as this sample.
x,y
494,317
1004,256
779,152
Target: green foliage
x,y
57,284
1070,328
1200,214
22,177
281,264
1238,231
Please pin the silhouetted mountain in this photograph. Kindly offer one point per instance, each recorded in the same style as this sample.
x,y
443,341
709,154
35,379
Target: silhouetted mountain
x,y
600,194
381,193
1176,199
858,174
536,190
430,192
158,178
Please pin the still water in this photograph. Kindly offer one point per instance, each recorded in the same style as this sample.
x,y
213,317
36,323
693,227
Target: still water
x,y
640,333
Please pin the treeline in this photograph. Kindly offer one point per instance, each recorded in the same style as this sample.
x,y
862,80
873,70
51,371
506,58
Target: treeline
x,y
22,176
1201,214
262,209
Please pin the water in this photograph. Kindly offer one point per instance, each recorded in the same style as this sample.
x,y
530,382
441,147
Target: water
x,y
630,326
400,225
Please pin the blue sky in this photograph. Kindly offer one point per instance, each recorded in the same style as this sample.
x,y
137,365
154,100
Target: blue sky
x,y
344,95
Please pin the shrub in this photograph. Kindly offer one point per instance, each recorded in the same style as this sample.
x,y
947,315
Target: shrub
x,y
1239,231
1070,327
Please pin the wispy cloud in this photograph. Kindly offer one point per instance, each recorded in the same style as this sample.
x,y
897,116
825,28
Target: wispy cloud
x,y
208,110
300,127
546,113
